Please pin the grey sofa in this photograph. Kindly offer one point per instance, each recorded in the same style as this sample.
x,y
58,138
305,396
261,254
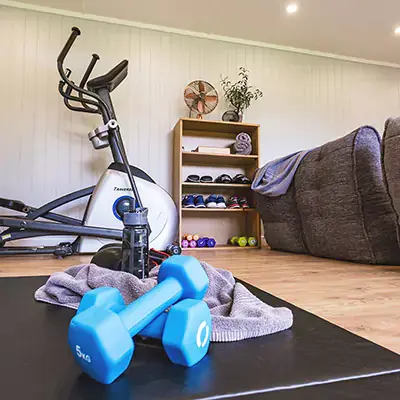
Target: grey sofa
x,y
342,203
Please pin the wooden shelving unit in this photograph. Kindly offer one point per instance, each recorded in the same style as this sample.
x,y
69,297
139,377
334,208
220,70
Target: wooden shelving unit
x,y
218,223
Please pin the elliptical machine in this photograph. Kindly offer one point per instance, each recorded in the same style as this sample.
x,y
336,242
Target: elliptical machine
x,y
119,186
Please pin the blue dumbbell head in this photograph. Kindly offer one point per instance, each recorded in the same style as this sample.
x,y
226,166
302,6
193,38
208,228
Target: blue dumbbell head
x,y
101,344
189,272
187,332
103,297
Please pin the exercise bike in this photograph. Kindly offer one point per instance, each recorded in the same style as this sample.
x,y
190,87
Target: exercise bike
x,y
119,186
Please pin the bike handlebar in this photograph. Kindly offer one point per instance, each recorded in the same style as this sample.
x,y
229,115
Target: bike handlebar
x,y
95,100
89,69
65,79
74,34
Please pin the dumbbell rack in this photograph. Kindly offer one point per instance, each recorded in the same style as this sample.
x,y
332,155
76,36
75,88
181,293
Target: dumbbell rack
x,y
220,224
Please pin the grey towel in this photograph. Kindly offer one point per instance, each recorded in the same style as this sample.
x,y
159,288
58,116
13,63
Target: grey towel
x,y
243,137
236,313
243,144
275,177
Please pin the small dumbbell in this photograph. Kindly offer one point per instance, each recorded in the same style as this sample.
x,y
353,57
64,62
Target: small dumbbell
x,y
252,241
201,243
193,244
211,242
101,339
233,240
242,241
239,241
184,244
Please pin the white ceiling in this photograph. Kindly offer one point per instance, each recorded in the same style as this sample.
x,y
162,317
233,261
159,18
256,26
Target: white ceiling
x,y
356,28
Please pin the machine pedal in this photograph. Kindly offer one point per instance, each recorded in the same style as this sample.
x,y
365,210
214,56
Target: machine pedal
x,y
63,250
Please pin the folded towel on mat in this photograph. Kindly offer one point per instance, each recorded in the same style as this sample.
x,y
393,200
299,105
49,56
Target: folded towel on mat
x,y
243,144
236,313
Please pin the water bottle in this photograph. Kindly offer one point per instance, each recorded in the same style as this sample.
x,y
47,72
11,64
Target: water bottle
x,y
135,243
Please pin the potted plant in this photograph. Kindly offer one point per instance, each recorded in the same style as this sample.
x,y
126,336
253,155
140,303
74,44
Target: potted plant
x,y
239,94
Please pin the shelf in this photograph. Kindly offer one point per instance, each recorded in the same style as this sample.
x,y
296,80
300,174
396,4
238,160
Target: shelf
x,y
221,247
243,210
189,157
207,126
216,185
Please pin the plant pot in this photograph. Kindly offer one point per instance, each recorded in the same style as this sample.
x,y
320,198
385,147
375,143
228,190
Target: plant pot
x,y
230,116
233,116
241,115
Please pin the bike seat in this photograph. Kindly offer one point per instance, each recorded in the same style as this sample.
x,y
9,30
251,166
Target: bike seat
x,y
111,79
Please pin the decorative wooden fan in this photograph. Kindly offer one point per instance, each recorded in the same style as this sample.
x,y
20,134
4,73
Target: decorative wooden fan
x,y
201,98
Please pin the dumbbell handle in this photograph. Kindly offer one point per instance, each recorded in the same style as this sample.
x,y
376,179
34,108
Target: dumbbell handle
x,y
146,308
156,328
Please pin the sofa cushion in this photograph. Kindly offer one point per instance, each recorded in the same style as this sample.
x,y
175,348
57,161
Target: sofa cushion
x,y
343,203
379,216
338,205
391,164
282,227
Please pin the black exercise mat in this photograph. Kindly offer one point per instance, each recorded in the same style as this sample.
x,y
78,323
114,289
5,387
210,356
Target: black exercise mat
x,y
385,387
36,363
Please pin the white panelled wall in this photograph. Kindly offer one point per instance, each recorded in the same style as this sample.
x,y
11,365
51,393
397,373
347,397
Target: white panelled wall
x,y
44,150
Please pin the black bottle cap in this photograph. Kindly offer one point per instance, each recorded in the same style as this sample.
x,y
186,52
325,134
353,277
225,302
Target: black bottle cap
x,y
137,217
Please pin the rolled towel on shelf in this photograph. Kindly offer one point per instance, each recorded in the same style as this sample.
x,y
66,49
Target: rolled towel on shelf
x,y
243,144
242,148
243,137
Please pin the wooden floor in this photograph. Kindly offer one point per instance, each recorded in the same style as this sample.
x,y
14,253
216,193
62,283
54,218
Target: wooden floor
x,y
362,299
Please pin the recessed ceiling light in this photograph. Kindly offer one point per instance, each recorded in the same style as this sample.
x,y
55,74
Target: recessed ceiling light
x,y
397,31
292,8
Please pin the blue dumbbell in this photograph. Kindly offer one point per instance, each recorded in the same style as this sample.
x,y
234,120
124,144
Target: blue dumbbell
x,y
100,335
189,317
